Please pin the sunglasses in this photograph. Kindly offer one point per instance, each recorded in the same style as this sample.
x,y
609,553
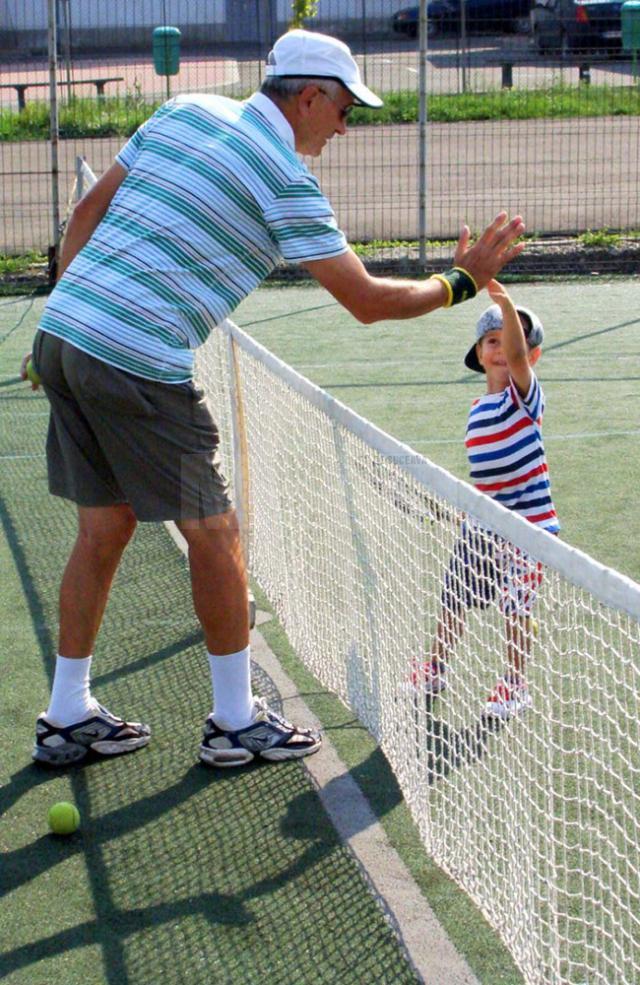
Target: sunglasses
x,y
344,111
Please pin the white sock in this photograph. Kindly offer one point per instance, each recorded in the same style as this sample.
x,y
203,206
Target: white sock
x,y
71,699
232,694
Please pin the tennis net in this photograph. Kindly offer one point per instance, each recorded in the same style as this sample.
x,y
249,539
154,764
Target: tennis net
x,y
352,536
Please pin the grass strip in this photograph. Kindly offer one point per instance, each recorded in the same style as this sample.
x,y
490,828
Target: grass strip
x,y
121,116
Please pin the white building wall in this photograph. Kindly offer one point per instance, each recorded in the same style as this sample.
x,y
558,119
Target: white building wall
x,y
20,15
32,15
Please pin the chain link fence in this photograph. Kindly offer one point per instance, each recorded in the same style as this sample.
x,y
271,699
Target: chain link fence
x,y
513,120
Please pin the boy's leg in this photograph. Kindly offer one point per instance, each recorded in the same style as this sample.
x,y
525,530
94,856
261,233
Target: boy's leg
x,y
449,632
518,633
469,583
522,576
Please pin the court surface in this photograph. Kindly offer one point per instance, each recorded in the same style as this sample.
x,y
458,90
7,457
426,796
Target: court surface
x,y
199,876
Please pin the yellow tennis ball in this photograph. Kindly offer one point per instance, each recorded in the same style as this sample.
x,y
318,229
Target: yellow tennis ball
x,y
32,375
64,818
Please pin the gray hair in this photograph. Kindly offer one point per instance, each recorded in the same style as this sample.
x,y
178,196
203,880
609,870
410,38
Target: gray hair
x,y
281,88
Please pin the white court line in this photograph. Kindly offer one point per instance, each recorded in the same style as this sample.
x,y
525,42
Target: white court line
x,y
15,458
546,437
622,357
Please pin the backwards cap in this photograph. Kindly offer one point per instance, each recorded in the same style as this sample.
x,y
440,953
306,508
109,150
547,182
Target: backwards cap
x,y
491,319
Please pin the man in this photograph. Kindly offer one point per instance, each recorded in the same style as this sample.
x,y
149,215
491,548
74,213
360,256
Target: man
x,y
198,208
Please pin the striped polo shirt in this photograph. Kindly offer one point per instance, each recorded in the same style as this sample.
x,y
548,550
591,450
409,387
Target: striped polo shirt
x,y
506,453
214,198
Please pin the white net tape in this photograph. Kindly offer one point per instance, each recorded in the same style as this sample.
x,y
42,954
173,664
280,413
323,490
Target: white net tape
x,y
351,536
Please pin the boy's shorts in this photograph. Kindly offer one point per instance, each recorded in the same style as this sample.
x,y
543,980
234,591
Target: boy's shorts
x,y
484,566
118,438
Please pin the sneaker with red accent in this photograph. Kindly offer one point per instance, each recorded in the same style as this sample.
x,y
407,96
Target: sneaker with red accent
x,y
508,698
430,677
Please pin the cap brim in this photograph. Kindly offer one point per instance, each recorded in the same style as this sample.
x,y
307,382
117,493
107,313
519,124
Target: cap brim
x,y
362,95
471,359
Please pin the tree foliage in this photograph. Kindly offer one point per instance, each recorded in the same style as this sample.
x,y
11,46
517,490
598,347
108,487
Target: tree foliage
x,y
301,10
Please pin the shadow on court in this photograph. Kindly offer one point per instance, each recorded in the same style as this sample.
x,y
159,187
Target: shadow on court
x,y
448,749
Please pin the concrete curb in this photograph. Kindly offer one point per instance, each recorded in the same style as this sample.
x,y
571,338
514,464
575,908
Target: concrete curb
x,y
433,956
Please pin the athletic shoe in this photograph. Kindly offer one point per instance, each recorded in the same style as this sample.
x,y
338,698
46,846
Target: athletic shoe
x,y
100,732
269,735
430,677
508,699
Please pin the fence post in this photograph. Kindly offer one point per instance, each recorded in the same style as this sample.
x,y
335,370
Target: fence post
x,y
422,137
507,75
54,131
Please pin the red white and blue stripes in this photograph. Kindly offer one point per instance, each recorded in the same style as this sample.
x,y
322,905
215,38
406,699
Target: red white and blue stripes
x,y
506,453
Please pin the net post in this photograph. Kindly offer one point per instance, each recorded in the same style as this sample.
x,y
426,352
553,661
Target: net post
x,y
241,474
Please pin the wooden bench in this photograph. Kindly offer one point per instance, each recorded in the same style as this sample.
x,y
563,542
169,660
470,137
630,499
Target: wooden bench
x,y
21,87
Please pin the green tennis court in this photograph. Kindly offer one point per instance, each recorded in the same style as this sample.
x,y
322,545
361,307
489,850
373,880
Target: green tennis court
x,y
194,875
409,379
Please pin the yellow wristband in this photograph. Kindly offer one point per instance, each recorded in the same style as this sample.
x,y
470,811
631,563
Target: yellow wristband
x,y
443,280
460,285
467,274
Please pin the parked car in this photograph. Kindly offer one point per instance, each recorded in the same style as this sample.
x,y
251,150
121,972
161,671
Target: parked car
x,y
480,15
406,21
577,25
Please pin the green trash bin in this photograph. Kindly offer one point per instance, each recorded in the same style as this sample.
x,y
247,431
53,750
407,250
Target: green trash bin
x,y
630,14
166,50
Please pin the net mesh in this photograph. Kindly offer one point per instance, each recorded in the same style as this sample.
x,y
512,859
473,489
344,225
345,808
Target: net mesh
x,y
355,538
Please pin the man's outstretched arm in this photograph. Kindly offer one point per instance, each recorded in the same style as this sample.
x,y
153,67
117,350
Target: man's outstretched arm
x,y
371,299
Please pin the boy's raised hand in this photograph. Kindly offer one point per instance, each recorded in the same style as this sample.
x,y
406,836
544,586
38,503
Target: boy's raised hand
x,y
497,292
496,247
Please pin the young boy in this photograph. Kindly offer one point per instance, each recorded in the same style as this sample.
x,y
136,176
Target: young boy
x,y
507,460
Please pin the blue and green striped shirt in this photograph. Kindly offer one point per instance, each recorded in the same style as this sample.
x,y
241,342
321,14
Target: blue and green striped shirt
x,y
214,198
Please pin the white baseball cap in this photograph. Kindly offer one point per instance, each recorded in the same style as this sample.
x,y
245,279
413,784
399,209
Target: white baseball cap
x,y
301,54
491,319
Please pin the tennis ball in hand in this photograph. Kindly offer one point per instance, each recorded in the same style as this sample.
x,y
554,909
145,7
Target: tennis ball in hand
x,y
32,375
64,818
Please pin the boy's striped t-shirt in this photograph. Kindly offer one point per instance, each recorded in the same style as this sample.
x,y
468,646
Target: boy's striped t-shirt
x,y
215,196
506,453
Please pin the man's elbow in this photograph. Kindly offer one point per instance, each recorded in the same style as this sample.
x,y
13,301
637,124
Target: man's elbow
x,y
365,311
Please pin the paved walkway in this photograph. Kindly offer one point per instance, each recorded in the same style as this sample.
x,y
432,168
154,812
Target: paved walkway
x,y
562,175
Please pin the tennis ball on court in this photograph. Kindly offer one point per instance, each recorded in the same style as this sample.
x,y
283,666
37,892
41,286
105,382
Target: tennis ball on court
x,y
64,818
32,375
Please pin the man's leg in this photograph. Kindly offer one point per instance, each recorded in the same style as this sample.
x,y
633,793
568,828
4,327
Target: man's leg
x,y
218,581
103,534
74,722
239,727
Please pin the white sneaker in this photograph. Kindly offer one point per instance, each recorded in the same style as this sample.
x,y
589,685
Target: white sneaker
x,y
507,699
429,677
269,736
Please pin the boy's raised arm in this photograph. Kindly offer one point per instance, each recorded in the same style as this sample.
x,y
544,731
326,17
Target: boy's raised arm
x,y
514,343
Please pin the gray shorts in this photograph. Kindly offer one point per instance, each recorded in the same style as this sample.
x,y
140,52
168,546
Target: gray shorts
x,y
118,438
